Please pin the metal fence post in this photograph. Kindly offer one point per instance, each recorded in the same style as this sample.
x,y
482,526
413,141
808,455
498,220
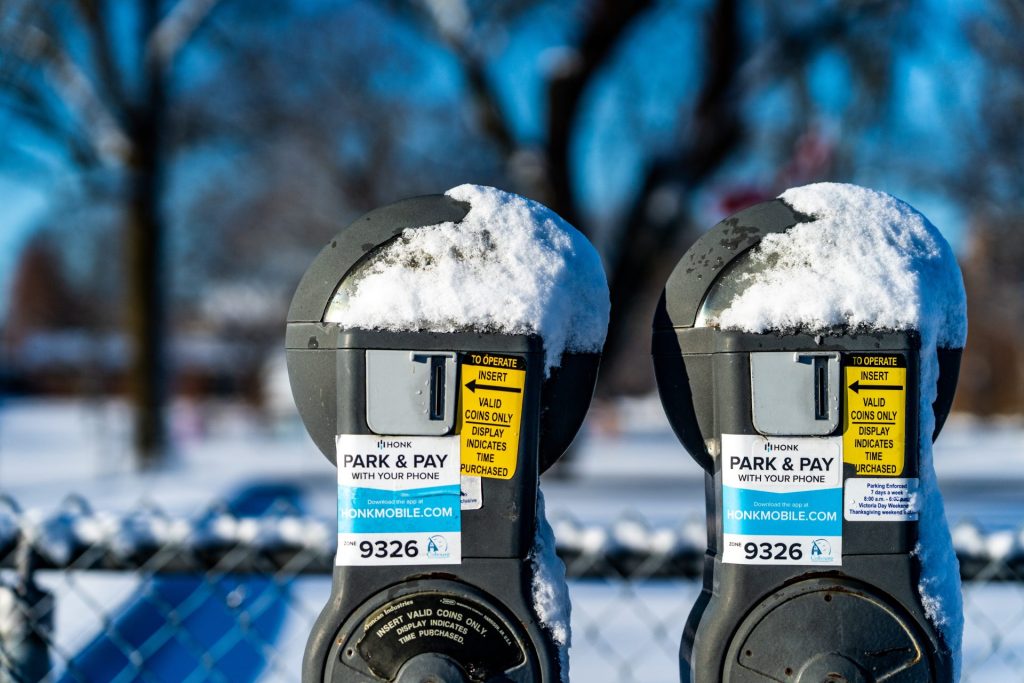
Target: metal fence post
x,y
26,623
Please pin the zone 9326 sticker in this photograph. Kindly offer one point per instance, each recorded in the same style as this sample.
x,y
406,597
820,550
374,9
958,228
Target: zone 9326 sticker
x,y
398,500
782,500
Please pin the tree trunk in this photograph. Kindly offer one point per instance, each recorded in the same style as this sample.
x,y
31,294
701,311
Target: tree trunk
x,y
146,288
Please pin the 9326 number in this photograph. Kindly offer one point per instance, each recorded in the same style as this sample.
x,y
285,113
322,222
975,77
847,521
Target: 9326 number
x,y
773,551
388,549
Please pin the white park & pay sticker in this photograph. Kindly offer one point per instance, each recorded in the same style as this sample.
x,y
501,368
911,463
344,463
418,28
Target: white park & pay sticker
x,y
398,500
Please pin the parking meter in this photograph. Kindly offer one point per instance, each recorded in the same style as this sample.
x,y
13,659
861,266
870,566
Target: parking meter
x,y
439,439
810,447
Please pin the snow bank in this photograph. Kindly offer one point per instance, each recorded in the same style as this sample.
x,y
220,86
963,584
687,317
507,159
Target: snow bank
x,y
550,593
511,266
869,261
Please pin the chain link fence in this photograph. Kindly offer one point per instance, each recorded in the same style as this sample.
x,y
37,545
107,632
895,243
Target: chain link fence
x,y
231,594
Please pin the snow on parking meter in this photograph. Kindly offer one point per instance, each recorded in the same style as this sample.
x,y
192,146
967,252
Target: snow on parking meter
x,y
442,353
806,352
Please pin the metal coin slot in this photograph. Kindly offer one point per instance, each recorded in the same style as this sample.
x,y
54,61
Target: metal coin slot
x,y
437,372
410,392
795,393
820,388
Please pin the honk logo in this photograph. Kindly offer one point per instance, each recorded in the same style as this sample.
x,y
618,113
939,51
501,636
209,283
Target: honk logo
x,y
792,447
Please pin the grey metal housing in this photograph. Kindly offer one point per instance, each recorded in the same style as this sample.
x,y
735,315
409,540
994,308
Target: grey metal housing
x,y
313,376
347,381
788,622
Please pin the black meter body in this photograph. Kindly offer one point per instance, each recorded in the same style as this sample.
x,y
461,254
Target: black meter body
x,y
810,448
433,579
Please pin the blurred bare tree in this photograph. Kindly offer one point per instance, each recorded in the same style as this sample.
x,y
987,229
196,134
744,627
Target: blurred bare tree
x,y
746,50
227,140
91,76
990,184
362,130
315,137
159,146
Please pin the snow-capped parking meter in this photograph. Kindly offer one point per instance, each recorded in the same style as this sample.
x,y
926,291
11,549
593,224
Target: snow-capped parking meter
x,y
806,352
442,353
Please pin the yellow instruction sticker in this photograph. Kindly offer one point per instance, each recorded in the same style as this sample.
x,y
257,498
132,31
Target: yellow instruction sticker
x,y
490,410
874,423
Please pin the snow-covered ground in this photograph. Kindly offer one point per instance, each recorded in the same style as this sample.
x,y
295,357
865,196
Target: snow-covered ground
x,y
630,465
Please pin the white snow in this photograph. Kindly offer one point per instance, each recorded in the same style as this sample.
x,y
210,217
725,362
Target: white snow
x,y
550,592
511,266
870,261
56,536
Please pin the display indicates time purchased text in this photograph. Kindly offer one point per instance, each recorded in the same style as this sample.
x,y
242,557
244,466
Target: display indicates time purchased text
x,y
874,422
490,412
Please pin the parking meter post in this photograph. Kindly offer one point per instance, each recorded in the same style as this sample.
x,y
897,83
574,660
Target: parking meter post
x,y
419,594
801,582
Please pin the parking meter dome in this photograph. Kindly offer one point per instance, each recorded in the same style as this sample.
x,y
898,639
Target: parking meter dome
x,y
328,283
713,273
806,352
442,352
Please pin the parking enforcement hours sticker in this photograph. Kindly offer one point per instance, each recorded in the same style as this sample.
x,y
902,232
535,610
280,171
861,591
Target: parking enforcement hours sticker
x,y
398,500
782,500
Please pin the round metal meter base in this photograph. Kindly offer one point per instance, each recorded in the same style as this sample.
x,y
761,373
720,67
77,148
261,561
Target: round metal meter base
x,y
828,631
433,631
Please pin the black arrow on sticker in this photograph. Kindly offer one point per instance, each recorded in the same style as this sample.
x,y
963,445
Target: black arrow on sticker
x,y
857,386
473,386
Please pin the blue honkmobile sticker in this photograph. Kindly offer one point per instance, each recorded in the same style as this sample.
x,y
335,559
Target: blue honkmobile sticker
x,y
398,500
782,500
